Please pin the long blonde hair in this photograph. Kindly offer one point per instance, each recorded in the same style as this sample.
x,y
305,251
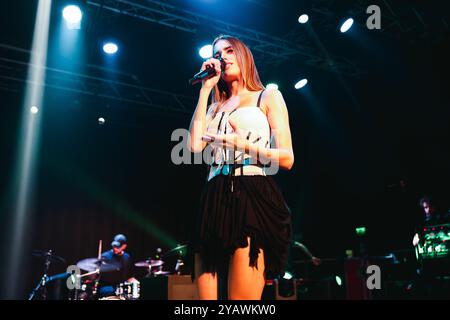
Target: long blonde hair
x,y
246,63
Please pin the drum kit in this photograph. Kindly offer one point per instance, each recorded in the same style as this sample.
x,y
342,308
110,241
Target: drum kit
x,y
155,266
94,268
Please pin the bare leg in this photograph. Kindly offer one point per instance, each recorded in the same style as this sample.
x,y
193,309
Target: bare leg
x,y
245,282
206,282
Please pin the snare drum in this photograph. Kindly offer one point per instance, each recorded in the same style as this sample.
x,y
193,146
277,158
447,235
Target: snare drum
x,y
129,290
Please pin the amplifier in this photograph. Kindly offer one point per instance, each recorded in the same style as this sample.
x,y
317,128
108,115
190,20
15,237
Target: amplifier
x,y
436,242
172,287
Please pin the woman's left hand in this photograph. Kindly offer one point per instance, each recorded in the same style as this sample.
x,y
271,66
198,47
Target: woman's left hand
x,y
233,141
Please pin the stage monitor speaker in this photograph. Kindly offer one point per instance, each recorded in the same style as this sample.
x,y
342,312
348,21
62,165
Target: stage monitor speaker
x,y
286,289
281,289
172,287
181,287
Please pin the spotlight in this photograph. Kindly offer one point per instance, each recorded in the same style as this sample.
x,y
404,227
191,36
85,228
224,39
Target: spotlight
x,y
34,109
206,51
347,25
338,281
287,276
101,121
272,86
110,48
303,18
301,84
72,14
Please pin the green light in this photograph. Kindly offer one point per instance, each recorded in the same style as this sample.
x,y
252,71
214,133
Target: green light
x,y
288,276
360,231
349,253
338,280
78,178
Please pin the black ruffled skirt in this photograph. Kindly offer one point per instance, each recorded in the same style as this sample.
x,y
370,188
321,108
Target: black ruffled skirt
x,y
233,208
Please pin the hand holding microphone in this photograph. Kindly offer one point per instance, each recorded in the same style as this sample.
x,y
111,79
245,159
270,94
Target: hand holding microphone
x,y
209,73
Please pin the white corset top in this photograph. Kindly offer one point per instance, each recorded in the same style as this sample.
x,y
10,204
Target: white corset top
x,y
252,124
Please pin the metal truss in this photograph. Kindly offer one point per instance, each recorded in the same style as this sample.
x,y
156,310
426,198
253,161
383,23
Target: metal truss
x,y
14,67
397,20
266,47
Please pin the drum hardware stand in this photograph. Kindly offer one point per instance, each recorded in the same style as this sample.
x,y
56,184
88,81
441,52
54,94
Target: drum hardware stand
x,y
149,272
42,283
180,263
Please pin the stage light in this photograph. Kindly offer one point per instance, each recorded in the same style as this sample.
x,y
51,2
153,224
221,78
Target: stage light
x,y
73,15
338,281
272,86
347,25
34,109
288,276
303,18
26,164
301,84
110,48
206,51
360,231
101,121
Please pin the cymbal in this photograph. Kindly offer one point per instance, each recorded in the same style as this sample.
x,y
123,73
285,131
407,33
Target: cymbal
x,y
149,263
181,249
162,273
92,264
48,254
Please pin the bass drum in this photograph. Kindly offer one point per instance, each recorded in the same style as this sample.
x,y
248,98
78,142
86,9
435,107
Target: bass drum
x,y
129,290
112,298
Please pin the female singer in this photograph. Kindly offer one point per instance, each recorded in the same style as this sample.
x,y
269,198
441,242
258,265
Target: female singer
x,y
244,225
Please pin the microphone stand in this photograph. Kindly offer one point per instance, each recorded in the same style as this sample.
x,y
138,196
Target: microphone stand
x,y
42,283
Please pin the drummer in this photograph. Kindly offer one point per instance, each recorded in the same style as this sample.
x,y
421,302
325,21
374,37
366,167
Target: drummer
x,y
124,267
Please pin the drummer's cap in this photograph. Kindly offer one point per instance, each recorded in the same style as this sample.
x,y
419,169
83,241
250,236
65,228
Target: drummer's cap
x,y
119,240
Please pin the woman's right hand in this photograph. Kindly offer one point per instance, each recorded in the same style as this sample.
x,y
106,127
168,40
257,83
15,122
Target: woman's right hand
x,y
211,82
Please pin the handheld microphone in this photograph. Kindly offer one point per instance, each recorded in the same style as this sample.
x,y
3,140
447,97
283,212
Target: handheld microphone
x,y
207,73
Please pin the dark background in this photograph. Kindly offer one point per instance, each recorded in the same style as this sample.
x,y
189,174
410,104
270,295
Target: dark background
x,y
355,138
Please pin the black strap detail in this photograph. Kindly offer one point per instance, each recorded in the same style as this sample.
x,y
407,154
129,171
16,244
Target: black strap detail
x,y
220,122
257,139
215,150
259,99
